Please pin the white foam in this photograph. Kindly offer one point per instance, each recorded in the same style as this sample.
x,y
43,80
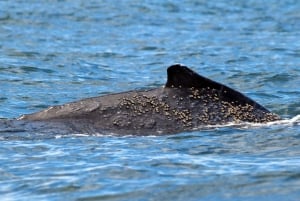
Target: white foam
x,y
289,122
285,122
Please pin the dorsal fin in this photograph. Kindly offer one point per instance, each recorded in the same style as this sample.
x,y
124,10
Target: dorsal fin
x,y
180,76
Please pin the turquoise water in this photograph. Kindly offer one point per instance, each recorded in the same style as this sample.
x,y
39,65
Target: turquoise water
x,y
52,52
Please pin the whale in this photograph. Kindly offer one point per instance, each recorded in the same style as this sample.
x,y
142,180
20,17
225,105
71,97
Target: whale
x,y
188,101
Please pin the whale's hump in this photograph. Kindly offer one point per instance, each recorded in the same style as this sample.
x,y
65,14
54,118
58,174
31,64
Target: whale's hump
x,y
188,101
180,76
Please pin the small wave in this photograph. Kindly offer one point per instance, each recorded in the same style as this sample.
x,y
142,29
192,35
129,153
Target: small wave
x,y
58,136
293,121
285,122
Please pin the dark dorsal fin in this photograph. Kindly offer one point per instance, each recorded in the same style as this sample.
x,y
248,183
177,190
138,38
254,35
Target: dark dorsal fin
x,y
180,76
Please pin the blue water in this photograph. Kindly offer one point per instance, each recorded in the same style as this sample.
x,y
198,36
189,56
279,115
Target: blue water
x,y
53,52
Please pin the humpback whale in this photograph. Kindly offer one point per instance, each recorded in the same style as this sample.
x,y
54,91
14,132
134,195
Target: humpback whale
x,y
188,101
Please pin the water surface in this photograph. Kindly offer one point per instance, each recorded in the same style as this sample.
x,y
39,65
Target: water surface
x,y
52,52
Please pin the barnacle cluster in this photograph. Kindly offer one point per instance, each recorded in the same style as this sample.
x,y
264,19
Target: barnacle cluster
x,y
141,104
190,108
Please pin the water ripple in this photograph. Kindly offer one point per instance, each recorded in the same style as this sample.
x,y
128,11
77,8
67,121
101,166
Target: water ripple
x,y
53,52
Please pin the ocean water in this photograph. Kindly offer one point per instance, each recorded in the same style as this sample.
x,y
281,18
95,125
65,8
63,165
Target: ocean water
x,y
56,51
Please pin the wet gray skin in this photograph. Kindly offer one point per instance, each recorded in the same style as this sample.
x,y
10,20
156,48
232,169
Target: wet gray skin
x,y
187,102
